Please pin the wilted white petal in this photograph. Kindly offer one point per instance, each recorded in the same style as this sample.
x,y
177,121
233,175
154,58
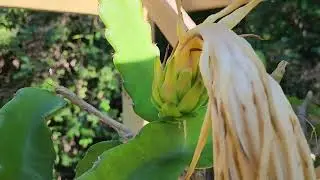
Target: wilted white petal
x,y
256,133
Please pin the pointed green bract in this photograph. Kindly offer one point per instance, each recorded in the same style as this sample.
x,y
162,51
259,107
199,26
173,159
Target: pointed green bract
x,y
168,86
26,150
184,82
163,150
193,95
130,36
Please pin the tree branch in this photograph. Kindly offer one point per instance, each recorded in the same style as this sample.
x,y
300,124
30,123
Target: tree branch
x,y
123,131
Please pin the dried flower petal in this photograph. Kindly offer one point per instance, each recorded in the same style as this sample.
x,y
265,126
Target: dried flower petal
x,y
256,133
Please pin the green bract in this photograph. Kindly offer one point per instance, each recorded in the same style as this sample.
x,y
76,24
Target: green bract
x,y
178,90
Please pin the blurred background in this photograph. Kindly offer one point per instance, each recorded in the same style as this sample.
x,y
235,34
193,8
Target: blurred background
x,y
41,48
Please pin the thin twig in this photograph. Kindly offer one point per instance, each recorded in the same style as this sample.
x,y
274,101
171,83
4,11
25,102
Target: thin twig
x,y
302,111
123,131
302,114
252,35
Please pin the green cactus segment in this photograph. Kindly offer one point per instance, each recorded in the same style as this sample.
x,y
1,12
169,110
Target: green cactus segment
x,y
26,149
162,150
135,54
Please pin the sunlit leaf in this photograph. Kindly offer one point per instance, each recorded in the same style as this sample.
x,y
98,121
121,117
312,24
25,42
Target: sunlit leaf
x,y
130,36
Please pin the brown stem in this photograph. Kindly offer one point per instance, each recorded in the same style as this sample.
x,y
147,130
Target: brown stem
x,y
123,131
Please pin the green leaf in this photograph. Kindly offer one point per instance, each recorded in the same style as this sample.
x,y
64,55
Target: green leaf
x,y
130,36
193,128
26,150
92,155
162,150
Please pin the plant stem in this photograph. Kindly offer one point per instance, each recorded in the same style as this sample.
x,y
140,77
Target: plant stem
x,y
302,111
123,131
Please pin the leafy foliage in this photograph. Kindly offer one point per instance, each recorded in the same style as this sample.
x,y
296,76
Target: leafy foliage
x,y
176,139
26,149
162,150
93,154
41,49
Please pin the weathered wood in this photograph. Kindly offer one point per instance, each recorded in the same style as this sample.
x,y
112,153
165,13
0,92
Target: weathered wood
x,y
90,6
164,14
73,6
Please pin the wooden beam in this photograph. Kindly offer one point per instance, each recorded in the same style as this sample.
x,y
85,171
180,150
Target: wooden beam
x,y
164,14
90,6
200,5
73,6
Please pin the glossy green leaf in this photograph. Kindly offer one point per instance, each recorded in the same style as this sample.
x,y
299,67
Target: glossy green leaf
x,y
162,150
92,155
26,150
130,36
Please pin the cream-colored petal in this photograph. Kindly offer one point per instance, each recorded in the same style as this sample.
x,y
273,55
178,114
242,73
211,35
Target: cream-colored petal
x,y
235,17
231,7
256,133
